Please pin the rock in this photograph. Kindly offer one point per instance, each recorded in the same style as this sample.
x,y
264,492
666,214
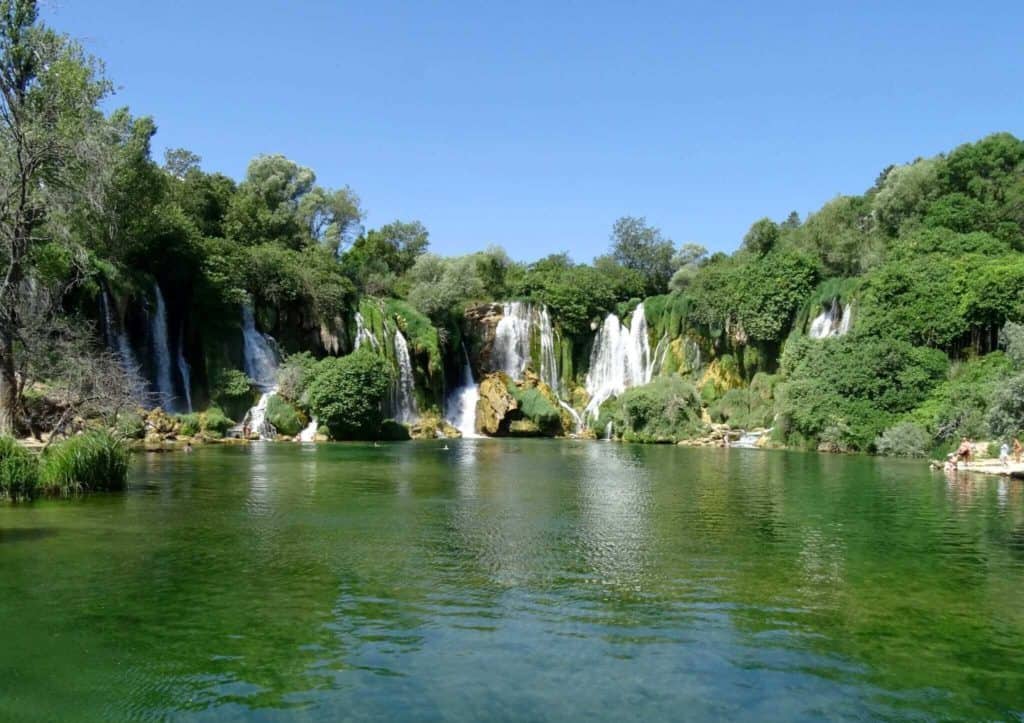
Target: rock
x,y
481,327
159,421
494,405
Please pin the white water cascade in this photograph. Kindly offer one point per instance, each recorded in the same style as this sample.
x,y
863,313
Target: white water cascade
x,y
116,338
621,358
161,350
309,433
363,335
833,321
750,439
512,339
461,407
548,361
403,397
261,366
183,368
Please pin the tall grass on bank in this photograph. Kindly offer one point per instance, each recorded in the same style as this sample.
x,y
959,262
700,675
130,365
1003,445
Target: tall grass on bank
x,y
91,462
19,471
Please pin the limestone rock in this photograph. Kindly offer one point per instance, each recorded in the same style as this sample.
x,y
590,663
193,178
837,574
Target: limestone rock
x,y
495,404
523,428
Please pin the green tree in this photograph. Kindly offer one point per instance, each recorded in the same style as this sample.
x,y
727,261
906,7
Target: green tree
x,y
49,91
643,248
347,394
762,236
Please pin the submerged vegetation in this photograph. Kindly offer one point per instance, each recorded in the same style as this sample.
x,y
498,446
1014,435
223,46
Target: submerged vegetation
x,y
884,322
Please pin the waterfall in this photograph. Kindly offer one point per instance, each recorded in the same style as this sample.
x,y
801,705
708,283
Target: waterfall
x,y
117,339
576,418
461,407
749,440
548,361
261,367
619,360
309,433
512,339
363,334
161,350
658,357
183,368
833,321
608,432
403,397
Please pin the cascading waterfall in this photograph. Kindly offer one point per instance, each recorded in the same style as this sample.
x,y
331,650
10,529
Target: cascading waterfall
x,y
403,397
309,433
261,366
577,420
512,339
116,339
833,321
461,407
161,350
548,361
183,368
363,335
621,359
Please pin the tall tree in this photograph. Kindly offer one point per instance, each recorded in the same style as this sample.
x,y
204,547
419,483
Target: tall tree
x,y
49,91
645,249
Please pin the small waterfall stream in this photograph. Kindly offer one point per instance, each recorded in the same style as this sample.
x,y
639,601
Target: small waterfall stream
x,y
512,339
461,406
183,368
261,366
621,358
363,335
833,321
403,396
161,350
115,338
309,433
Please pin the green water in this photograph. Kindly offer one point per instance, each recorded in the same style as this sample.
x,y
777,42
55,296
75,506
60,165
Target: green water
x,y
527,580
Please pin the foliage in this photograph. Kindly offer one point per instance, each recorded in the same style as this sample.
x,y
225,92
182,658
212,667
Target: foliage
x,y
643,248
904,439
666,410
90,462
19,471
538,408
346,394
846,390
287,420
1006,414
293,376
214,423
380,257
958,406
130,426
232,390
575,294
190,424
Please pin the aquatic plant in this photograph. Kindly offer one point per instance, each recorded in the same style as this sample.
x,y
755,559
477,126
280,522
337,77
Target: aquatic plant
x,y
94,461
19,471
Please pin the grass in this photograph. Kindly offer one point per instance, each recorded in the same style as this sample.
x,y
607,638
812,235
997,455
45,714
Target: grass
x,y
90,462
19,471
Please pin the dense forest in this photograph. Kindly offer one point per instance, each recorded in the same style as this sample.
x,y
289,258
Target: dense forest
x,y
883,322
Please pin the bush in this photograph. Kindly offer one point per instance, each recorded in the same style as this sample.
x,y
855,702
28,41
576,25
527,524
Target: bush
x,y
346,394
905,439
537,408
1006,416
190,424
19,471
294,375
233,391
90,462
287,420
666,410
130,426
214,422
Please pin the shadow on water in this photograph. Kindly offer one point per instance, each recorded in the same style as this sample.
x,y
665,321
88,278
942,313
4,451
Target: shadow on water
x,y
25,534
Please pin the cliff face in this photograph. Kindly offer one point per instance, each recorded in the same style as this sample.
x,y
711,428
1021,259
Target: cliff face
x,y
495,408
481,324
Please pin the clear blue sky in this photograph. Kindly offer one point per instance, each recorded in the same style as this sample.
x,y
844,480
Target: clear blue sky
x,y
534,125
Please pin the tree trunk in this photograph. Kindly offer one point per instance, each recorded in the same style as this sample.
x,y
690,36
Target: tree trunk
x,y
8,385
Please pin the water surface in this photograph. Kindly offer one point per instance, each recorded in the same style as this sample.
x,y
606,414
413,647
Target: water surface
x,y
499,580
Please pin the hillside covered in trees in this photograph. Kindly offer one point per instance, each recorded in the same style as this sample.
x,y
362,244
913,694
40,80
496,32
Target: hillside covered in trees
x,y
883,322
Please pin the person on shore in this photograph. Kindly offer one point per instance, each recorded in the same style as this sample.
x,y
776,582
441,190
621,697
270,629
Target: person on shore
x,y
963,452
1017,449
1004,454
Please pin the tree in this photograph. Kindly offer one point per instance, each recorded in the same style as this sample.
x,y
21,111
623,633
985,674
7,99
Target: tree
x,y
761,237
378,257
179,161
346,394
643,248
49,91
687,260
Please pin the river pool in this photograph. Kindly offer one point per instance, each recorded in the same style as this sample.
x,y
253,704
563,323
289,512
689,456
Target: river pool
x,y
515,580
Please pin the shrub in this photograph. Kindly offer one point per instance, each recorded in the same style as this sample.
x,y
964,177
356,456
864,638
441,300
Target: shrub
x,y
666,410
287,420
90,462
905,439
346,394
1006,416
294,375
19,471
233,391
214,422
130,426
190,424
537,408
